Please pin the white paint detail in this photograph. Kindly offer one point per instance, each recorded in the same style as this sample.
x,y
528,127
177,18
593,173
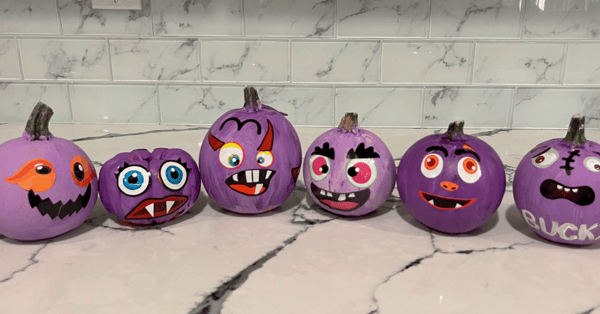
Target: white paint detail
x,y
169,205
567,189
530,219
235,178
585,232
268,174
575,190
431,202
248,176
322,192
342,197
558,186
150,209
329,194
351,195
258,188
458,205
256,175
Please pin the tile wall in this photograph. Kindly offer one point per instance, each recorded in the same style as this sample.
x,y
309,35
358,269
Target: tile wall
x,y
398,63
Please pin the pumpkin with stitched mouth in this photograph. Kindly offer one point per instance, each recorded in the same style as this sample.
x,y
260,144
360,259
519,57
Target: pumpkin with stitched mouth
x,y
556,184
250,158
451,182
349,171
143,188
48,185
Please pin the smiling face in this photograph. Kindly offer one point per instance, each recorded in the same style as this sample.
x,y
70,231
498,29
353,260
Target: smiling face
x,y
453,186
149,188
48,187
348,173
556,186
250,160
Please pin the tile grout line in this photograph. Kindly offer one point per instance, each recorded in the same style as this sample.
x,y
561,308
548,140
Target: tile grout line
x,y
60,26
157,91
563,69
243,9
511,108
110,65
422,109
19,57
70,103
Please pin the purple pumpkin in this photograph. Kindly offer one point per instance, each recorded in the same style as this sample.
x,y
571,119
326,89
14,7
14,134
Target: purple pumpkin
x,y
48,185
349,171
250,158
143,188
555,186
451,182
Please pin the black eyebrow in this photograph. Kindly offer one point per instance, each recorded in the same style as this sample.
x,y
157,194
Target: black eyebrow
x,y
326,151
461,151
440,148
361,152
545,150
538,148
596,152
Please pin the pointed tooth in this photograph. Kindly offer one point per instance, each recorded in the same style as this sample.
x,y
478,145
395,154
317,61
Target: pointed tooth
x,y
431,202
329,194
567,189
169,205
248,176
351,195
458,205
258,188
558,186
268,174
235,178
150,209
256,175
322,192
575,190
342,197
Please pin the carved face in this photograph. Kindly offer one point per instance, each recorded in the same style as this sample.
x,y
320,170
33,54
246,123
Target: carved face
x,y
349,173
453,186
556,186
250,160
149,188
48,187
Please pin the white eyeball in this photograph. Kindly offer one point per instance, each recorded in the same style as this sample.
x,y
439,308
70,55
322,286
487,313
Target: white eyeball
x,y
133,180
320,167
469,169
545,159
592,164
361,172
173,175
432,165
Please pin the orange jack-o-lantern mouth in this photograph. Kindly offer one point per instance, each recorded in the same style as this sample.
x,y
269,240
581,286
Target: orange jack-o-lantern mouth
x,y
37,175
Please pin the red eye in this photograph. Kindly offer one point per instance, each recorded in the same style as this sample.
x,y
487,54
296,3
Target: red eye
x,y
431,162
470,165
540,159
361,172
320,166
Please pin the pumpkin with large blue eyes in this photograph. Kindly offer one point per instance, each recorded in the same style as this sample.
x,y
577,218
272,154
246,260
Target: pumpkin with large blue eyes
x,y
144,188
451,182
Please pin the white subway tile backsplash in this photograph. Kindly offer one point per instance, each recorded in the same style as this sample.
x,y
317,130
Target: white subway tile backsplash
x,y
476,18
385,18
307,18
303,105
479,107
28,17
18,99
162,60
518,63
197,18
562,19
426,62
78,17
114,104
381,106
344,62
64,59
553,108
231,61
9,60
583,67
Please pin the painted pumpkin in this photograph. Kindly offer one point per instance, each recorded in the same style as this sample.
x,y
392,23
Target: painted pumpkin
x,y
250,158
349,171
451,182
143,188
555,187
48,185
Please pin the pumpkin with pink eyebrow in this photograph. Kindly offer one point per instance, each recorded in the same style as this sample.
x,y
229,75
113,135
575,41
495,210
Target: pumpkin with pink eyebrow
x,y
250,158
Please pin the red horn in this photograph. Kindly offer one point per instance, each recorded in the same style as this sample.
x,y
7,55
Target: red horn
x,y
267,143
214,142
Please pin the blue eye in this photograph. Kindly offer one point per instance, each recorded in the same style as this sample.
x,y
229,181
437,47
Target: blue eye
x,y
173,175
234,160
133,180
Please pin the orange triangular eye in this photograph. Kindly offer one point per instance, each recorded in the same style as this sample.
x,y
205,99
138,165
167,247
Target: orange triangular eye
x,y
81,171
37,175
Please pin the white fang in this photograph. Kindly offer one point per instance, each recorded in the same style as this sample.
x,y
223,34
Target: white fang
x,y
169,205
268,174
150,209
322,192
235,177
458,205
258,188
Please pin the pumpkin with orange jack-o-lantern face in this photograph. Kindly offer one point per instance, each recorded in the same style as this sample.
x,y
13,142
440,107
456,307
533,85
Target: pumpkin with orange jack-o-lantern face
x,y
48,185
451,182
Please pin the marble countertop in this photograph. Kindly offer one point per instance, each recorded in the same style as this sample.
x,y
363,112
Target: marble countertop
x,y
298,258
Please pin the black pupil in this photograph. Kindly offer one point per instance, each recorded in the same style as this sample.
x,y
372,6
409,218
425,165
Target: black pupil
x,y
133,179
324,168
78,171
597,167
43,170
174,174
352,171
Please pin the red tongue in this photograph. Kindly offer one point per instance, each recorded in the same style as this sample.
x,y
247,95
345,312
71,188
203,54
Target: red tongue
x,y
246,189
340,205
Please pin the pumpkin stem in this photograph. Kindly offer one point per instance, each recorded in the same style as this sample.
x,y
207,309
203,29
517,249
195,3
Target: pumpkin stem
x,y
251,100
349,121
455,130
576,132
37,125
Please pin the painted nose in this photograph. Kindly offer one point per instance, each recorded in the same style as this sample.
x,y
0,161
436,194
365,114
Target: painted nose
x,y
447,185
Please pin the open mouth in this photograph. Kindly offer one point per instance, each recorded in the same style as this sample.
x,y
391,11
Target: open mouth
x,y
340,201
445,203
155,208
250,182
46,206
581,195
